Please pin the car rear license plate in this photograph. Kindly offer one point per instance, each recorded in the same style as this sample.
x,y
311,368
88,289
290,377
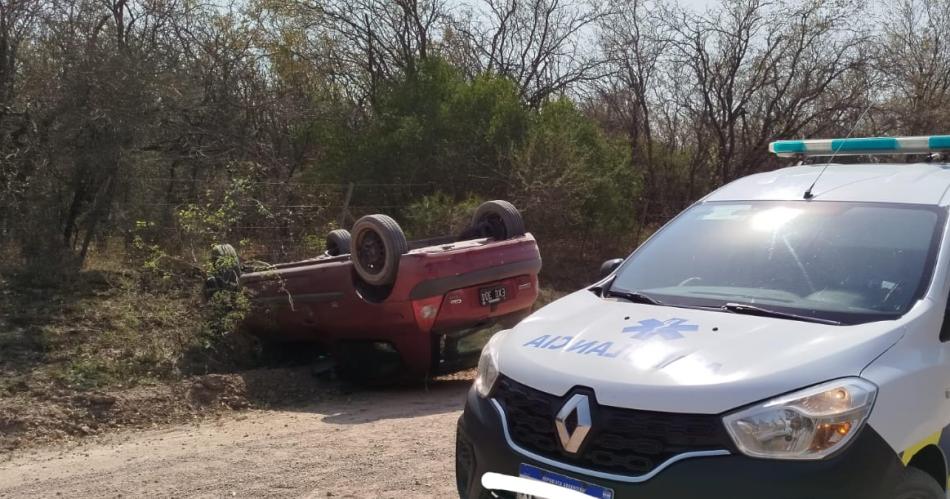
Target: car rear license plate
x,y
535,473
492,295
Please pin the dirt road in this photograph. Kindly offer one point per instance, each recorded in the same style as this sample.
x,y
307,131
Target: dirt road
x,y
393,443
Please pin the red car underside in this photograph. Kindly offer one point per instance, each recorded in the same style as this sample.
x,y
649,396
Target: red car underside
x,y
429,320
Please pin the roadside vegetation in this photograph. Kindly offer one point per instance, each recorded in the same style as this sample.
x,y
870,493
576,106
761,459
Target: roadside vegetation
x,y
135,134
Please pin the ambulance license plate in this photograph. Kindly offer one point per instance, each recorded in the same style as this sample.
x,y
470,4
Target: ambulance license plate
x,y
535,473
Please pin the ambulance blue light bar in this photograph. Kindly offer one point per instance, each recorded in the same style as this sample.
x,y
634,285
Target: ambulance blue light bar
x,y
861,146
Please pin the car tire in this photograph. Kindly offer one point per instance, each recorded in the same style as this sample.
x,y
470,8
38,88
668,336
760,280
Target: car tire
x,y
917,484
338,242
376,244
223,250
225,269
499,220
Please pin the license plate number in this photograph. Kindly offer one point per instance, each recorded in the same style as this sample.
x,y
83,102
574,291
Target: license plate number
x,y
590,489
490,296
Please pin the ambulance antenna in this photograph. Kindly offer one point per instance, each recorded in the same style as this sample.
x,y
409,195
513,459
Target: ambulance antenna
x,y
808,194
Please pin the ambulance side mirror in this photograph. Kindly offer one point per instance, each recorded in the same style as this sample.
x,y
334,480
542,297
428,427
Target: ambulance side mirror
x,y
609,266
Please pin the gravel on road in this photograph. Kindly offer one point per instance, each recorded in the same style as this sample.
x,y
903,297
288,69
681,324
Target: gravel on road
x,y
398,442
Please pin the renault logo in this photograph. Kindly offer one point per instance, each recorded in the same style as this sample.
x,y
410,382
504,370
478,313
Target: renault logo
x,y
571,439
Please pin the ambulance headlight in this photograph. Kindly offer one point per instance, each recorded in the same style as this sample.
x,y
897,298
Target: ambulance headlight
x,y
809,424
488,366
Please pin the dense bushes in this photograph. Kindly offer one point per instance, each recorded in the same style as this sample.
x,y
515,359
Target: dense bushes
x,y
437,215
458,140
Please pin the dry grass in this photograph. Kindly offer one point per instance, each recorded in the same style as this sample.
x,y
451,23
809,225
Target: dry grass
x,y
116,346
94,331
107,326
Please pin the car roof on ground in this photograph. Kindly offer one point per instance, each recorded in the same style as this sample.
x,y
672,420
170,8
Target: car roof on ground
x,y
918,183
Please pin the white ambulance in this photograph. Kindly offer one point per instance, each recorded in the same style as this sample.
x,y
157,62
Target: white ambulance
x,y
786,337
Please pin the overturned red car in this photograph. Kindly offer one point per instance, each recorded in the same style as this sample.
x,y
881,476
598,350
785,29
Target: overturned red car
x,y
385,306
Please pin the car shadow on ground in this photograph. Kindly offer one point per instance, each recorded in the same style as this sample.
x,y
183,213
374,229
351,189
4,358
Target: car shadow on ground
x,y
315,388
366,405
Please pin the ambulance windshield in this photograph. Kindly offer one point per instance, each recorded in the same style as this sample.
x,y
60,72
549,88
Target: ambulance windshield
x,y
841,261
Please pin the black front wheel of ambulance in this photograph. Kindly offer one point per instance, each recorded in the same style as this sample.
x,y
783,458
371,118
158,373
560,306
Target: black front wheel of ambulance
x,y
499,220
376,245
916,484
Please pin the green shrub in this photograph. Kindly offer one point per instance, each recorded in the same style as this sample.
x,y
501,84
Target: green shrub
x,y
570,176
438,214
224,313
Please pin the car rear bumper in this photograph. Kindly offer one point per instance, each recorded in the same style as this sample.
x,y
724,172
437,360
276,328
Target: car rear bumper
x,y
460,349
442,285
867,469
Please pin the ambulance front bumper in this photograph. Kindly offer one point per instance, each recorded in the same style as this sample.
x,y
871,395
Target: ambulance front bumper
x,y
866,469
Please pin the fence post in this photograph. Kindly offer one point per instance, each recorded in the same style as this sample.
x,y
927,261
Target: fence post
x,y
346,205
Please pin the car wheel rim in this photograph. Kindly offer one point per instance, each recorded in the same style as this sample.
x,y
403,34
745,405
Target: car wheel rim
x,y
371,252
493,226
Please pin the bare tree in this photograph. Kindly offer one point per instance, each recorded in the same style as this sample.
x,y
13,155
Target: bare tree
x,y
17,19
912,57
546,46
16,22
635,44
763,71
373,40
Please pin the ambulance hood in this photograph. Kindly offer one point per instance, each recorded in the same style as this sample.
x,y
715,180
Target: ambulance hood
x,y
681,360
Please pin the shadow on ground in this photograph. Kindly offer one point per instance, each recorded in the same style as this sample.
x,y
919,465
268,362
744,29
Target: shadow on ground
x,y
440,397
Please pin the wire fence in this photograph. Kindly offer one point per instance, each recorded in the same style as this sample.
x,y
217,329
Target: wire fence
x,y
278,221
289,182
271,220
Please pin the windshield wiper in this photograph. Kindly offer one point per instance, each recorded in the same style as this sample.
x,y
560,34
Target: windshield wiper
x,y
745,308
633,296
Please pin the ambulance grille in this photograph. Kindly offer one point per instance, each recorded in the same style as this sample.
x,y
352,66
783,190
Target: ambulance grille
x,y
622,441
